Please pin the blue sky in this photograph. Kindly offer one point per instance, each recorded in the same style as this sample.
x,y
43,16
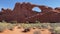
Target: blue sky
x,y
10,3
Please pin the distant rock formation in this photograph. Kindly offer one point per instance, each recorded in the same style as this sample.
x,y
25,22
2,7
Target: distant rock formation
x,y
23,12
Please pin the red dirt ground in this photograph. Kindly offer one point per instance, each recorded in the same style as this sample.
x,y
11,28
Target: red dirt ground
x,y
19,31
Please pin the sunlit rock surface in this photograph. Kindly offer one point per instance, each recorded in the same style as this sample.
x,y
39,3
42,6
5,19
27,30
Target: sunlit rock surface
x,y
23,12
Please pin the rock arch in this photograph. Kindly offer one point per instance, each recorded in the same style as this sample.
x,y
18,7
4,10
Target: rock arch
x,y
36,9
22,12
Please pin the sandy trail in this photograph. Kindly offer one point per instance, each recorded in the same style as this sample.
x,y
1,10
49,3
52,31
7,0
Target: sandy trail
x,y
19,31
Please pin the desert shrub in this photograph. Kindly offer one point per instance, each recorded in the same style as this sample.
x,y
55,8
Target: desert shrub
x,y
34,27
45,25
37,25
10,26
26,25
36,32
31,25
19,26
52,31
3,21
26,30
2,27
5,25
37,21
53,25
27,22
13,22
57,29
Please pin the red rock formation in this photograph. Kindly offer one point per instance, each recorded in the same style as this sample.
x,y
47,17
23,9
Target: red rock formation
x,y
23,12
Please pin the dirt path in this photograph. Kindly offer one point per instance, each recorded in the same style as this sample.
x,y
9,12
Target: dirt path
x,y
19,31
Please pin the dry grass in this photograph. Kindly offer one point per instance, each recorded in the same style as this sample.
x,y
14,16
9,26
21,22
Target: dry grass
x,y
53,26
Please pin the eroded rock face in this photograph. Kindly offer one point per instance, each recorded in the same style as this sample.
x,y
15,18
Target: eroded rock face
x,y
23,12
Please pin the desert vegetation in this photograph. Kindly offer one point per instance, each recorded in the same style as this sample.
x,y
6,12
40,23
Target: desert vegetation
x,y
36,32
4,26
54,28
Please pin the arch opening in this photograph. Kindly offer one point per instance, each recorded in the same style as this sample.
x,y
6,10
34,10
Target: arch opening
x,y
36,9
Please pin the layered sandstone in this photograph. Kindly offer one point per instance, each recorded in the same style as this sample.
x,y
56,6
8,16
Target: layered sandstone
x,y
23,12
